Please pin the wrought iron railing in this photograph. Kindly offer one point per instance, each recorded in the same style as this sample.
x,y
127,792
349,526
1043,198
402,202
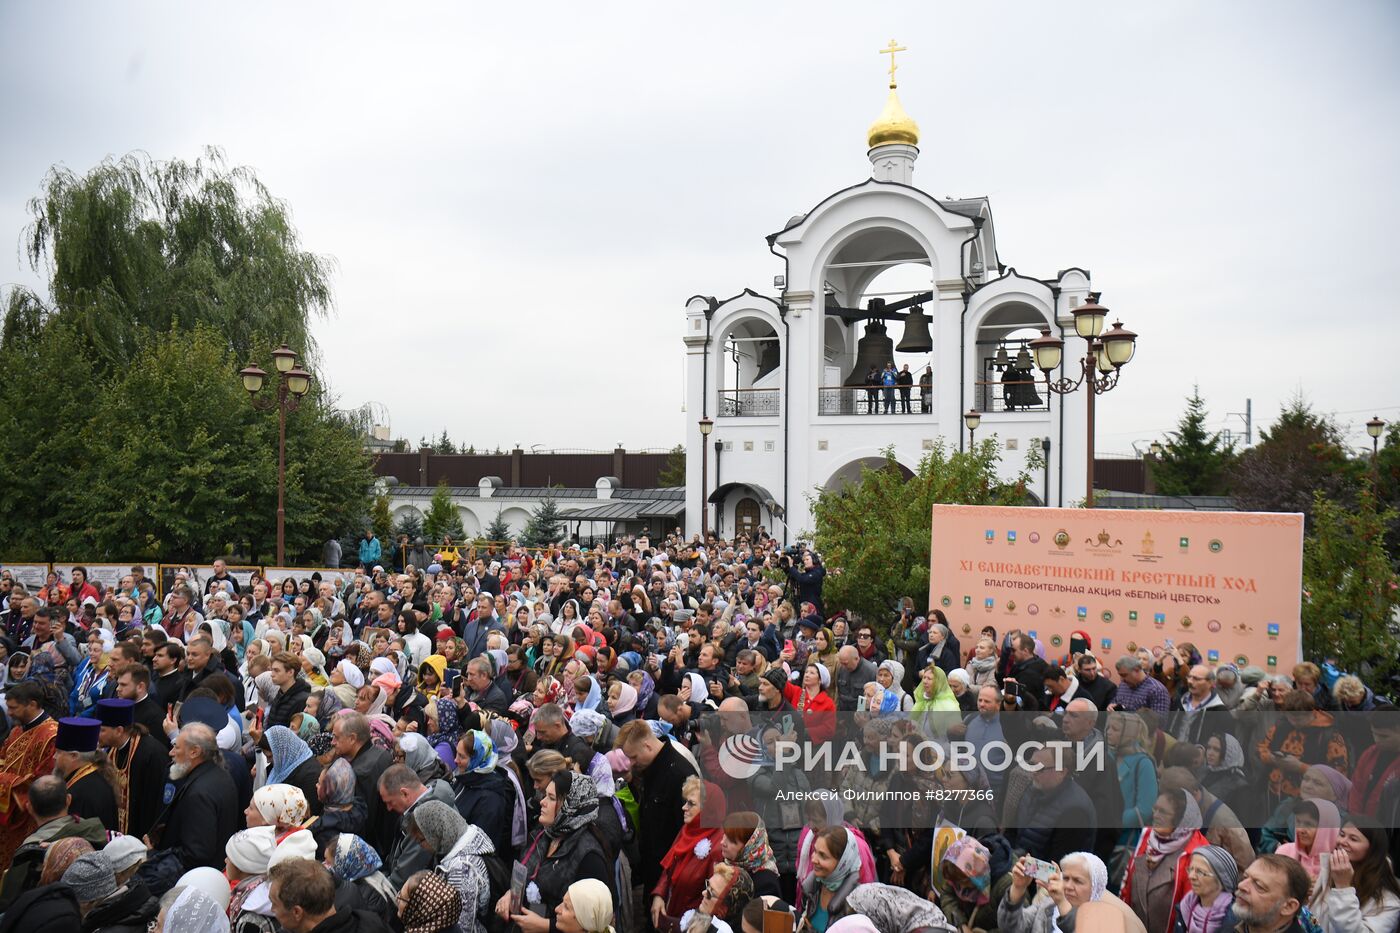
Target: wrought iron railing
x,y
749,403
871,400
1019,393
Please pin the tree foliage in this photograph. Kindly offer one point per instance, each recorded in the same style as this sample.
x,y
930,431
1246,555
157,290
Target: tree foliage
x,y
1350,587
128,434
1298,456
544,526
411,524
498,529
874,533
673,473
1194,462
381,519
442,517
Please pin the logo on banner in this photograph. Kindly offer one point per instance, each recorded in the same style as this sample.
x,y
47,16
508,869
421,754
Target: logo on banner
x,y
741,756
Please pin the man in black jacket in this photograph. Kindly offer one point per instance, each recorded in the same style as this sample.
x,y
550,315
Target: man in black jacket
x,y
302,893
202,812
660,770
201,661
168,681
1028,669
368,761
292,691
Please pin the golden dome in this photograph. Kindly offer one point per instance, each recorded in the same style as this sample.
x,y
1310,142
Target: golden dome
x,y
893,126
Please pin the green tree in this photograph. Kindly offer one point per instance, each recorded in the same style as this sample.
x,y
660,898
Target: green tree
x,y
673,473
443,517
444,445
545,524
1194,462
498,530
138,247
410,524
874,533
1350,589
1299,455
381,519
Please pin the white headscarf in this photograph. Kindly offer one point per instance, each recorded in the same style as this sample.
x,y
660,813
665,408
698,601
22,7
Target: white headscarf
x,y
592,905
194,911
352,674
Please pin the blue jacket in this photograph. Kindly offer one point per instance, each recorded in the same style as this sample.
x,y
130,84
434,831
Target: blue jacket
x,y
370,551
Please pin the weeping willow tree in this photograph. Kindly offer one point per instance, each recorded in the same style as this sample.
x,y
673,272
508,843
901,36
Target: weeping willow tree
x,y
136,246
127,433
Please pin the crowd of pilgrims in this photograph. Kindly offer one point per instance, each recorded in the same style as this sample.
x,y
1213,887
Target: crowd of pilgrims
x,y
530,741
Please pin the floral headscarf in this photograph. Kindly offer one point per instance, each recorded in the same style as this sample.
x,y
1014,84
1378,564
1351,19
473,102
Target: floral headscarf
x,y
60,855
974,862
645,690
434,905
288,752
281,804
448,724
578,806
757,854
483,758
338,784
354,858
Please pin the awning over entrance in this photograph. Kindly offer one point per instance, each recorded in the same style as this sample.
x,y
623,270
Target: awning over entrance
x,y
762,495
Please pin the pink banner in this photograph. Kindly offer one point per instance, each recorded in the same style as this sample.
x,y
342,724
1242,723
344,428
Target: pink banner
x,y
1229,583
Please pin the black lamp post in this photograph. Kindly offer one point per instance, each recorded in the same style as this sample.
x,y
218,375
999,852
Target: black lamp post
x,y
292,384
973,419
707,425
1108,352
1375,427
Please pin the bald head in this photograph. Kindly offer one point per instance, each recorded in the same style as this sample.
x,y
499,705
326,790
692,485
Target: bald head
x,y
1081,715
848,657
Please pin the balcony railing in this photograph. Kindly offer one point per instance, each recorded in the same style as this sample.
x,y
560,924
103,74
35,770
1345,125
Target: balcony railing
x,y
863,400
749,403
1016,394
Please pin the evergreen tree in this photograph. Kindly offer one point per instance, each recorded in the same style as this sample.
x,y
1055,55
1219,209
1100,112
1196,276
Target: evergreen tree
x,y
1194,462
498,530
443,517
381,520
1350,589
444,444
545,525
673,473
410,524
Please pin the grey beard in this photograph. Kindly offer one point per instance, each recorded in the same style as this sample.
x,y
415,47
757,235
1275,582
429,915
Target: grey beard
x,y
178,770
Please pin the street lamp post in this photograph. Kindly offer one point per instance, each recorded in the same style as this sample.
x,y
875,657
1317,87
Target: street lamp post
x,y
1108,352
1375,427
292,384
973,419
707,425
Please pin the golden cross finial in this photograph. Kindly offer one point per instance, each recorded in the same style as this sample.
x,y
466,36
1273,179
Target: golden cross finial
x,y
890,50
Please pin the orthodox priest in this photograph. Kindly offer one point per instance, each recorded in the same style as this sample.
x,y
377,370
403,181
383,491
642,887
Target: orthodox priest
x,y
92,784
141,762
27,753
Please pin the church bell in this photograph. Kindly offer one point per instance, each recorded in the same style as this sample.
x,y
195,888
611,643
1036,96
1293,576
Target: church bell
x,y
876,349
916,338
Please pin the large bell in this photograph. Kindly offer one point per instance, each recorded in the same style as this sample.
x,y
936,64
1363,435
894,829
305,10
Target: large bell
x,y
876,349
916,338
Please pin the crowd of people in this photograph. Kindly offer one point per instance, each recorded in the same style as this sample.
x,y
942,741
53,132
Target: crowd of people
x,y
536,742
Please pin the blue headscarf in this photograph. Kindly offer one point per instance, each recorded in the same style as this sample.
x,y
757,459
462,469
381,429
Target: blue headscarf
x,y
354,858
483,760
595,695
288,752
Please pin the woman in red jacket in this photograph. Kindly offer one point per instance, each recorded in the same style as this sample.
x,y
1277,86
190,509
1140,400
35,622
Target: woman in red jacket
x,y
816,705
1156,880
694,854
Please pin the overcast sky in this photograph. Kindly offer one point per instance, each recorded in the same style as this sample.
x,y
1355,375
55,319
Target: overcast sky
x,y
520,197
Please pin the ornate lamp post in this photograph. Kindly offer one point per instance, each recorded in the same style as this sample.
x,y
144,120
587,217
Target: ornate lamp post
x,y
973,419
1375,427
707,425
292,384
1108,352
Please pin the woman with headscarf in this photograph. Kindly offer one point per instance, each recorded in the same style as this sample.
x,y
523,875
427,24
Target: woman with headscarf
x,y
722,901
346,680
1316,825
646,693
505,740
1212,874
1156,879
565,850
292,763
355,866
59,855
942,649
1319,782
746,845
1125,734
1223,771
822,814
421,757
835,874
622,703
459,847
890,675
969,885
693,853
284,808
1082,879
484,795
429,903
342,810
892,909
246,855
815,703
587,908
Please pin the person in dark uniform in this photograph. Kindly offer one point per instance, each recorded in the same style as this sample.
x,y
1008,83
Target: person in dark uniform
x,y
92,792
141,763
134,684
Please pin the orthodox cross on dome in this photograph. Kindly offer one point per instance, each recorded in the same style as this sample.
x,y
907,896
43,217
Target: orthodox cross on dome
x,y
890,50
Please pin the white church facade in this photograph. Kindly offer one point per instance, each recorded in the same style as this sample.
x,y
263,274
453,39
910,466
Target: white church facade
x,y
876,273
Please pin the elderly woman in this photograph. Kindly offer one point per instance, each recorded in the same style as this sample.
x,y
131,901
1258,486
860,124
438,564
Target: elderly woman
x,y
564,851
1082,879
587,908
280,806
890,675
342,810
693,853
346,680
292,763
459,847
727,891
1212,874
355,866
428,903
970,886
1156,879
